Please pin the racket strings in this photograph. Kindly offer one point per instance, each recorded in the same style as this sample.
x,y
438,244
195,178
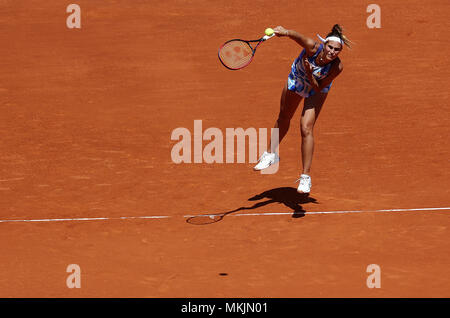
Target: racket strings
x,y
205,219
236,54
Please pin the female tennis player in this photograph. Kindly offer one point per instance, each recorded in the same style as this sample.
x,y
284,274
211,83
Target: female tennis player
x,y
311,76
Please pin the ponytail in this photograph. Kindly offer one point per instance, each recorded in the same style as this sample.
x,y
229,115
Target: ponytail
x,y
338,31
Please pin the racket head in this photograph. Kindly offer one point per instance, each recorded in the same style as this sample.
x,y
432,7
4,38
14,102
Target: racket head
x,y
205,219
236,54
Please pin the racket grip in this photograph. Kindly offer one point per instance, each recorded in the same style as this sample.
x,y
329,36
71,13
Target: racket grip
x,y
266,37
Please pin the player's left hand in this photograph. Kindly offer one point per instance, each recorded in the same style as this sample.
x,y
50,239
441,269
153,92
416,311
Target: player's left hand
x,y
280,31
308,67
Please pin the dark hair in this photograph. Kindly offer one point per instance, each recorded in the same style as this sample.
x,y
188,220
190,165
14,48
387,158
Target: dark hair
x,y
338,31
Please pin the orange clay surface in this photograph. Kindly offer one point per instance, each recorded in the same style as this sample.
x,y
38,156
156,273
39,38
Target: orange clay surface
x,y
86,117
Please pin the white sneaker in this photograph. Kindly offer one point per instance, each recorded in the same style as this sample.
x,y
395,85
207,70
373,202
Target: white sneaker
x,y
305,184
266,160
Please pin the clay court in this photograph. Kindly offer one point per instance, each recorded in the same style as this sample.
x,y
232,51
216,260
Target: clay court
x,y
86,175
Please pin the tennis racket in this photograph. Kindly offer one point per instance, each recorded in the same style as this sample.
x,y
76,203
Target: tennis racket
x,y
236,54
205,219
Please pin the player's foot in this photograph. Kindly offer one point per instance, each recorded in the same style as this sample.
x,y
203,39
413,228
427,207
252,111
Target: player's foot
x,y
305,184
266,160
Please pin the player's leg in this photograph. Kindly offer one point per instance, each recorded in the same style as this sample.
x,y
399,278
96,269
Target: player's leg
x,y
311,110
288,105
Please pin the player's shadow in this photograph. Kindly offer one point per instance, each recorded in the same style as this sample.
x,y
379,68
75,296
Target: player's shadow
x,y
286,195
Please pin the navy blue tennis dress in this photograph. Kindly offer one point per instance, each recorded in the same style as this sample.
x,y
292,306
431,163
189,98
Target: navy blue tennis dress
x,y
297,80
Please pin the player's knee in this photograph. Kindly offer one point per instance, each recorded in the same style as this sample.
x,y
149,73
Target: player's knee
x,y
306,129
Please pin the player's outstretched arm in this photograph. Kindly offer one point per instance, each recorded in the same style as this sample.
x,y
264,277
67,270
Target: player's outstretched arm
x,y
304,41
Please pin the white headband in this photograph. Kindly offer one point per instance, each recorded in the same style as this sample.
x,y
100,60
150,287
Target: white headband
x,y
331,38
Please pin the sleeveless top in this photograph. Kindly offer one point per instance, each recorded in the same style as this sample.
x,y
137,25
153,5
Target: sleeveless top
x,y
319,72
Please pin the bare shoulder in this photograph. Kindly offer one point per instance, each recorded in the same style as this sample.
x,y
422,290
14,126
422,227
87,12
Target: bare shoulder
x,y
313,46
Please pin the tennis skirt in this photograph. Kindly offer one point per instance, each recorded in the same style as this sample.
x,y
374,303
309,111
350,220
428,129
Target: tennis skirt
x,y
301,87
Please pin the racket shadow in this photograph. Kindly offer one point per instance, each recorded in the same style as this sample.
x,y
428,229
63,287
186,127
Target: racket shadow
x,y
287,196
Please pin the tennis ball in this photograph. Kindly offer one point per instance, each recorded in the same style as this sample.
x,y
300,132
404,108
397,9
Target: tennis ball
x,y
268,31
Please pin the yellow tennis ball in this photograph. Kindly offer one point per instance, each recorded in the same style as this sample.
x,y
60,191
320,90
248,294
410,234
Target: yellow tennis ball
x,y
268,31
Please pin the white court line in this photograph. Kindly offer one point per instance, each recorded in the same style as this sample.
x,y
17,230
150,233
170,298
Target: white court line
x,y
89,219
245,214
337,212
12,179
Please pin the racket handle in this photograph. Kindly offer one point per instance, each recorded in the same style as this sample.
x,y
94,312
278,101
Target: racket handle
x,y
266,37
